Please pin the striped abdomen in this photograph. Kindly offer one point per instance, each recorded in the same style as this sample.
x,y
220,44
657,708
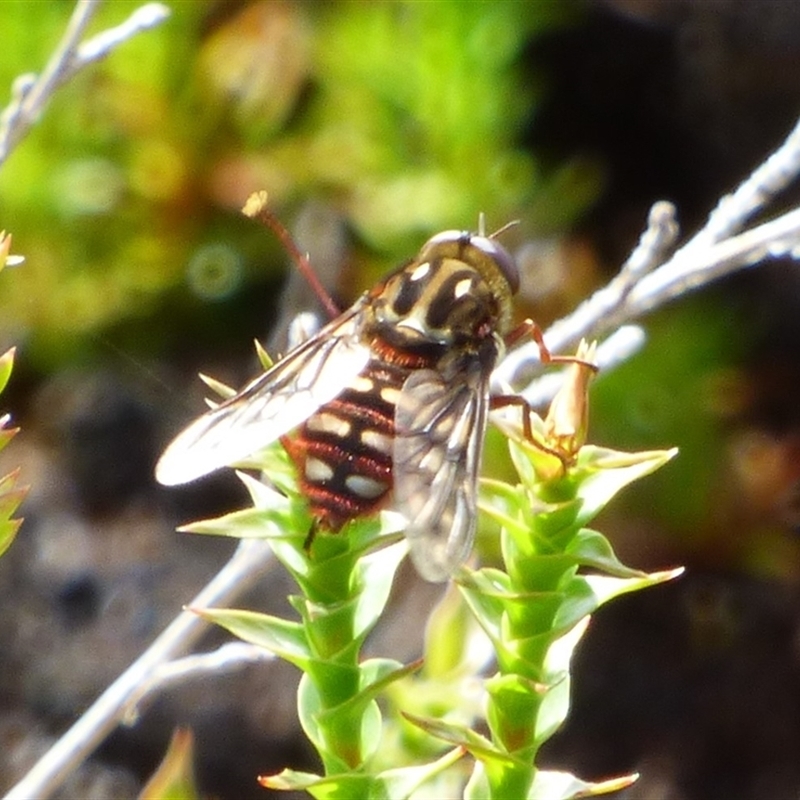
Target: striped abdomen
x,y
343,452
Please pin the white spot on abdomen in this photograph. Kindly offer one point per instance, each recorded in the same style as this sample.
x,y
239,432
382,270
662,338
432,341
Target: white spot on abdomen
x,y
377,441
367,488
324,422
317,471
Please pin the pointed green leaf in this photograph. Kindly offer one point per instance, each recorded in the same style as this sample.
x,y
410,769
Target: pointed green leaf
x,y
290,550
504,504
553,709
372,533
376,674
264,357
6,434
278,469
487,606
174,778
10,500
224,391
8,532
326,730
578,601
559,653
9,480
530,461
285,639
371,729
309,706
549,785
475,744
248,523
592,549
6,365
402,783
477,787
608,471
375,576
342,786
487,580
289,780
605,588
393,784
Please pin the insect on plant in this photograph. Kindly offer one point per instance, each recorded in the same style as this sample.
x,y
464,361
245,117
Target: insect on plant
x,y
388,402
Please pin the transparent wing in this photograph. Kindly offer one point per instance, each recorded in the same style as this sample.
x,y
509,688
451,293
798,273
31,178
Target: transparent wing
x,y
271,405
439,430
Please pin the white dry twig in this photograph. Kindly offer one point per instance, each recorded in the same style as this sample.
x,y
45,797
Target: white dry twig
x,y
31,93
648,281
228,657
249,561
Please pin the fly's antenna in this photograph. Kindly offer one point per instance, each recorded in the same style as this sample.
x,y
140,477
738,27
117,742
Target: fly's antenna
x,y
500,231
257,208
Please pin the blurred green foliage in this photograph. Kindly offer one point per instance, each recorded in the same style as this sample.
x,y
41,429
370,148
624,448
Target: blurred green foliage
x,y
405,116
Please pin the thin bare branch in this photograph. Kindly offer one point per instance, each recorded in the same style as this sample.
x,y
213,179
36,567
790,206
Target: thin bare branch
x,y
765,182
711,254
658,238
687,270
248,562
30,93
229,657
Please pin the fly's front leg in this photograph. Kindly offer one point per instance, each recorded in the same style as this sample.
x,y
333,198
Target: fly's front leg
x,y
566,424
530,328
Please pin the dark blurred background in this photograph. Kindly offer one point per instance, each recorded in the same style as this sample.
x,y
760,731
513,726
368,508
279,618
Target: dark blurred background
x,y
372,126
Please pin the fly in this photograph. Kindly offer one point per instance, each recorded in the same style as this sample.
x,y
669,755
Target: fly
x,y
388,403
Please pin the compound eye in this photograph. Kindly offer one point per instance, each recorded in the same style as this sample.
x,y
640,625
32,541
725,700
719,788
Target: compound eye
x,y
457,244
501,257
446,240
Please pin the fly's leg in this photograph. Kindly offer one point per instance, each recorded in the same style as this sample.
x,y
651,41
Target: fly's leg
x,y
505,401
565,425
530,328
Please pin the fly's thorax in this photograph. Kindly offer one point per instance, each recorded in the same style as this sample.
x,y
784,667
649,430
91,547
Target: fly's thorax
x,y
453,293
